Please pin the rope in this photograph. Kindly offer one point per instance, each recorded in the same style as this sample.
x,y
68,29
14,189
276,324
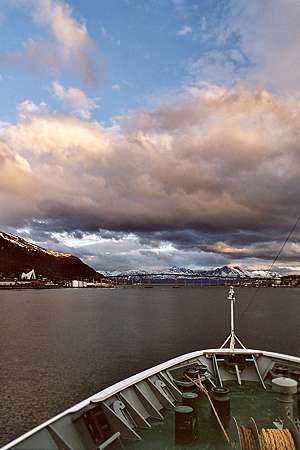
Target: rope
x,y
270,439
273,439
247,439
200,386
272,264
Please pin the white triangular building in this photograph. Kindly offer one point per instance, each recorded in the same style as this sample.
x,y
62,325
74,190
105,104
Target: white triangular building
x,y
29,275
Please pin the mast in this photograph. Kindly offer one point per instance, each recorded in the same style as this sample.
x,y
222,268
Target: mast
x,y
232,338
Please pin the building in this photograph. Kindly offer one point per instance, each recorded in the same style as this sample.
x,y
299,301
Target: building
x,y
29,276
91,284
79,284
7,283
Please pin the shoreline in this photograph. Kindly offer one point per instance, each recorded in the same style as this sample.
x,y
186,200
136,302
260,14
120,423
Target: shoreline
x,y
145,286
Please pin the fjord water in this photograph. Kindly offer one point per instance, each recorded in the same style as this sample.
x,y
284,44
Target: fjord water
x,y
59,346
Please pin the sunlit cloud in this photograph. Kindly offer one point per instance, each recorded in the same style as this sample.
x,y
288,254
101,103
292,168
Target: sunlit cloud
x,y
69,45
74,99
217,160
209,174
27,109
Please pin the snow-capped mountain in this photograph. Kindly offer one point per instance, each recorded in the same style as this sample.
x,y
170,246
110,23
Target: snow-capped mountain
x,y
129,273
20,242
183,272
18,255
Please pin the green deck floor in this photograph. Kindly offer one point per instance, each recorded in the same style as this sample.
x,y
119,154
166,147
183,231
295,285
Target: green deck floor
x,y
248,400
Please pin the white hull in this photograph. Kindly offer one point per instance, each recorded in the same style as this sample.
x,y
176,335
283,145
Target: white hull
x,y
143,395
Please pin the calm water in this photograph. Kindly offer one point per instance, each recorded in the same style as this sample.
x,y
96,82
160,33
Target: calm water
x,y
60,346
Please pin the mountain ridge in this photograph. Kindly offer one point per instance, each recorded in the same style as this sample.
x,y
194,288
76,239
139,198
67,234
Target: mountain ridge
x,y
18,255
180,272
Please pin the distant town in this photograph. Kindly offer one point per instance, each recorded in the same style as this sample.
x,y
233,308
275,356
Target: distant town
x,y
24,264
29,279
147,281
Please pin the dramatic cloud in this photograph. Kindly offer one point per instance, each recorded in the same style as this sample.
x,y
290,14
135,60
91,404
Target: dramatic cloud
x,y
69,45
16,178
74,99
215,170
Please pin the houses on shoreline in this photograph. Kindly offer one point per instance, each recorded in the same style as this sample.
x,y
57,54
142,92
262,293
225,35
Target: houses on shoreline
x,y
29,280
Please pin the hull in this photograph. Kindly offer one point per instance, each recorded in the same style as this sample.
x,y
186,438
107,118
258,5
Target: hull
x,y
117,416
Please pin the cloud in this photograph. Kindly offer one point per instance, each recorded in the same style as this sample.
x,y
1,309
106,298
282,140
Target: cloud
x,y
69,45
214,170
269,36
37,57
104,32
245,43
27,108
184,30
16,178
211,175
222,67
4,124
110,251
262,250
266,39
106,35
116,87
74,99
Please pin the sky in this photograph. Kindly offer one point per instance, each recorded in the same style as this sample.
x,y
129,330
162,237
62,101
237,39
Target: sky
x,y
150,134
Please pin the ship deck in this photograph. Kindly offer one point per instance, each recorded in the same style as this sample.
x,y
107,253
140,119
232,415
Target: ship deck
x,y
139,413
247,400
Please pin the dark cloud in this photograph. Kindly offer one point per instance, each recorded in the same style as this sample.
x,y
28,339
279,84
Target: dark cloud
x,y
215,171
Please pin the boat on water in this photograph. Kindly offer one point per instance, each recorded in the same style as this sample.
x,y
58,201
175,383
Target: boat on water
x,y
228,397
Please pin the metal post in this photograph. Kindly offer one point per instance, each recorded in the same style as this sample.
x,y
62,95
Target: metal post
x,y
232,336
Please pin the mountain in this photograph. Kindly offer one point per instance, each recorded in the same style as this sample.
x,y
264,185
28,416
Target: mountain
x,y
18,255
183,272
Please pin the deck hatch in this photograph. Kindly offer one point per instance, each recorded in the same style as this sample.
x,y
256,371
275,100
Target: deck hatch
x,y
97,424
